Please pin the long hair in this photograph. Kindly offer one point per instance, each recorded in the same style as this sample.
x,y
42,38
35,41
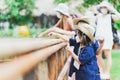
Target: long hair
x,y
85,39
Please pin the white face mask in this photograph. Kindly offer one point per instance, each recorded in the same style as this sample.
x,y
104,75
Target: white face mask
x,y
77,39
58,15
104,11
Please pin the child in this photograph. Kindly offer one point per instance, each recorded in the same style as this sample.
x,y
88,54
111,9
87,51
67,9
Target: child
x,y
65,20
107,14
86,61
75,42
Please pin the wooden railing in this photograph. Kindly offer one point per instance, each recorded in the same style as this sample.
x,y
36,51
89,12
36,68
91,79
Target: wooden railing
x,y
33,59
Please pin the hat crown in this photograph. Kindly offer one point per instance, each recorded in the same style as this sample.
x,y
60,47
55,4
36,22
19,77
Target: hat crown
x,y
62,8
91,30
87,29
104,3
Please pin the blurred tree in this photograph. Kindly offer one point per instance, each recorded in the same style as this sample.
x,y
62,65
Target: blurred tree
x,y
116,3
87,3
18,11
61,1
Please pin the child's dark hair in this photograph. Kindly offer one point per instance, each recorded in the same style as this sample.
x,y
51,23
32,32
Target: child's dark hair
x,y
86,40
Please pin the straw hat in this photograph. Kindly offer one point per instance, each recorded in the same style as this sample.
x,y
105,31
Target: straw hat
x,y
84,19
81,19
86,29
103,4
63,9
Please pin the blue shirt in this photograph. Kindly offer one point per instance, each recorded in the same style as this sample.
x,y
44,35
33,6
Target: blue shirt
x,y
72,42
88,69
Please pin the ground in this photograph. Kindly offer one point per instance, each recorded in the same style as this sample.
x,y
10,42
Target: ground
x,y
115,71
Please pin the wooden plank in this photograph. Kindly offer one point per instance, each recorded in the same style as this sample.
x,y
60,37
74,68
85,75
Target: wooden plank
x,y
20,47
42,73
56,63
25,63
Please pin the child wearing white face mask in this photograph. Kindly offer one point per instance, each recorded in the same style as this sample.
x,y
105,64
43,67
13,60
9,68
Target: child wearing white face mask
x,y
58,15
104,30
65,20
104,10
65,23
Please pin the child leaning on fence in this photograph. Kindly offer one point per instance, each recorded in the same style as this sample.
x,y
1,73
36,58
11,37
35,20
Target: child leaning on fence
x,y
85,60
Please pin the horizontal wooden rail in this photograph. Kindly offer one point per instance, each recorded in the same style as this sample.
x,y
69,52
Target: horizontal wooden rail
x,y
23,64
17,47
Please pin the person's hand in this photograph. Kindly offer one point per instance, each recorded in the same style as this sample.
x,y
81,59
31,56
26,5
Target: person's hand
x,y
68,49
101,42
52,34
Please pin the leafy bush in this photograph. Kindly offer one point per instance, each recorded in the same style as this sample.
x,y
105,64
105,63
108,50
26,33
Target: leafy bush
x,y
117,24
18,11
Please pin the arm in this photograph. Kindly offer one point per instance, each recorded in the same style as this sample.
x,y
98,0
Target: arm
x,y
64,37
50,29
45,32
70,23
116,15
99,50
58,23
73,54
69,33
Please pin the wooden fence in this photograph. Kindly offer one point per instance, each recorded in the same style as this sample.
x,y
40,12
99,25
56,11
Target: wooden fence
x,y
31,59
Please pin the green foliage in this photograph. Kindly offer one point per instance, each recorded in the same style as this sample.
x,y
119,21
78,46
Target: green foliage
x,y
117,24
81,8
6,34
115,66
14,14
116,3
87,3
33,33
118,8
61,1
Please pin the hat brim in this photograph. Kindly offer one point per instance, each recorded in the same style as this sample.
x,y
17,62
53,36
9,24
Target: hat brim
x,y
100,6
77,20
103,4
85,31
67,14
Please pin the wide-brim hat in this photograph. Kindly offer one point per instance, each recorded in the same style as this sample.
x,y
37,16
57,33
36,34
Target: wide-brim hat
x,y
103,4
86,29
62,8
84,19
81,19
